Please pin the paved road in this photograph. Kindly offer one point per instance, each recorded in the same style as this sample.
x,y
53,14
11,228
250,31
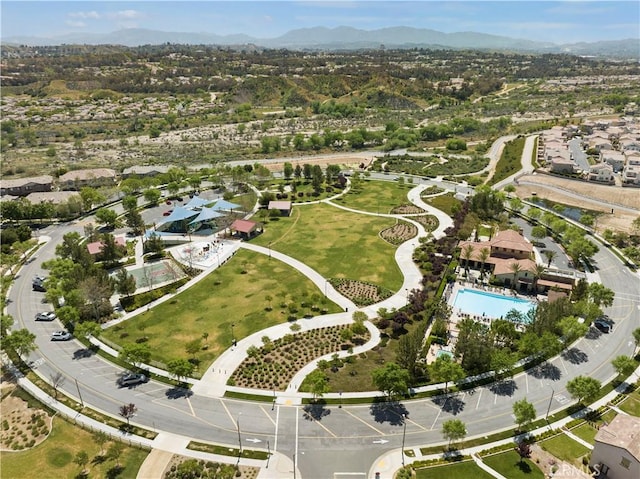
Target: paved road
x,y
325,441
578,154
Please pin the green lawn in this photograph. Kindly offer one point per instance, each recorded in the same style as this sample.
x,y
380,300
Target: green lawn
x,y
510,465
224,297
565,448
336,243
631,405
460,470
376,196
444,202
586,432
54,457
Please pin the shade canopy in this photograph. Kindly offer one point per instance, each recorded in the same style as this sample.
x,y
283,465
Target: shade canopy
x,y
205,215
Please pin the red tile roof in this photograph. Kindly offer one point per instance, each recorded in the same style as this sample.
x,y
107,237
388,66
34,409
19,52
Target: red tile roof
x,y
243,226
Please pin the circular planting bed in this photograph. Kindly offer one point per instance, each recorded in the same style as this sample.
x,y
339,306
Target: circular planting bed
x,y
274,364
399,233
22,426
406,210
361,293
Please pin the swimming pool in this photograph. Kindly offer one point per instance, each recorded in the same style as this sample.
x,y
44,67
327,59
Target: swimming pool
x,y
481,303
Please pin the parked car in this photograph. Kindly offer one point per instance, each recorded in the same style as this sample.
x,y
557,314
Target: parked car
x,y
46,316
168,202
167,213
61,336
602,325
132,379
38,284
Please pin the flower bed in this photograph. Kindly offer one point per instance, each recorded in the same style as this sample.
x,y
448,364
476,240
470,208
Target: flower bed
x,y
274,364
399,233
359,292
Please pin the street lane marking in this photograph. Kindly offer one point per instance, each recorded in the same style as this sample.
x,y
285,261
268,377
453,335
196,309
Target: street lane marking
x,y
415,424
479,397
267,414
364,422
193,413
324,427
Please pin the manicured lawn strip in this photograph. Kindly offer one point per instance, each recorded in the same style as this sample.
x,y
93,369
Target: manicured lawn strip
x,y
222,298
54,457
509,465
510,161
376,196
444,202
631,405
586,432
466,469
227,451
336,243
565,448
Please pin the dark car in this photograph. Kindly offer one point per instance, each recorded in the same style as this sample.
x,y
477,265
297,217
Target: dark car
x,y
38,284
132,379
167,213
602,325
46,316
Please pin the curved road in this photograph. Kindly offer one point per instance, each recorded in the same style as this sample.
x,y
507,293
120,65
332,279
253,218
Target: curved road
x,y
323,441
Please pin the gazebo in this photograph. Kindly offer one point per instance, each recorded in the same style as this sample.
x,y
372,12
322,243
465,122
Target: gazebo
x,y
246,228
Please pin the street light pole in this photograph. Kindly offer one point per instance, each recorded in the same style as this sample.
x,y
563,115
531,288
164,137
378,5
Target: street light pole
x,y
233,337
404,434
239,439
549,408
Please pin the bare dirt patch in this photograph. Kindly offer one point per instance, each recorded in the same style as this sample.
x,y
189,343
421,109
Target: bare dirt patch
x,y
399,233
22,427
592,196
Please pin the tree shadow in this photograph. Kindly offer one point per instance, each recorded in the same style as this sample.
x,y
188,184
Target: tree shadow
x,y
505,387
114,472
315,411
545,370
98,459
178,393
452,404
575,356
593,333
524,467
392,412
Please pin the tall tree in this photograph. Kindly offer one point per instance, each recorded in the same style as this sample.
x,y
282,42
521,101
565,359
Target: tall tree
x,y
454,430
127,411
550,255
624,365
22,341
583,388
444,368
600,295
524,413
391,379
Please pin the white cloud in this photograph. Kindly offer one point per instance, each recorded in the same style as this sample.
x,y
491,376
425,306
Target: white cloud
x,y
93,14
127,15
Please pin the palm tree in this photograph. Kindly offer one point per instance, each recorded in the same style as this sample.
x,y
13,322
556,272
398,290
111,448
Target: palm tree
x,y
485,253
537,273
515,269
467,251
550,255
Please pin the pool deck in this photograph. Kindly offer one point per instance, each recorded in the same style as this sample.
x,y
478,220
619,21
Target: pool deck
x,y
457,315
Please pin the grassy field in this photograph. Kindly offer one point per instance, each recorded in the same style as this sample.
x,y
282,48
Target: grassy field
x,y
336,243
509,465
54,457
444,202
565,448
586,432
510,160
466,469
376,196
631,405
222,298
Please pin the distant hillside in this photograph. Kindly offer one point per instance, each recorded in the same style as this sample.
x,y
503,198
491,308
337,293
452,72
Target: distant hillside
x,y
345,38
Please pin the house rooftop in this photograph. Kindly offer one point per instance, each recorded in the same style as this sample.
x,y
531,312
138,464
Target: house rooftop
x,y
623,432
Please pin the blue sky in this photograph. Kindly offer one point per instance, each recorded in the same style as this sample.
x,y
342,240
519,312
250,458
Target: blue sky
x,y
556,21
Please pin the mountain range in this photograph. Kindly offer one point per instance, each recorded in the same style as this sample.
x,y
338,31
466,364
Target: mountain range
x,y
344,38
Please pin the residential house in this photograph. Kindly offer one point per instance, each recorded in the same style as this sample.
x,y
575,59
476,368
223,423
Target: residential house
x,y
25,186
561,164
616,451
630,144
602,173
613,158
144,171
54,197
93,177
600,144
631,175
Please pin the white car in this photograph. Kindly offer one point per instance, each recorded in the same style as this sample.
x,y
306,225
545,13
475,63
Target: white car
x,y
46,316
61,336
